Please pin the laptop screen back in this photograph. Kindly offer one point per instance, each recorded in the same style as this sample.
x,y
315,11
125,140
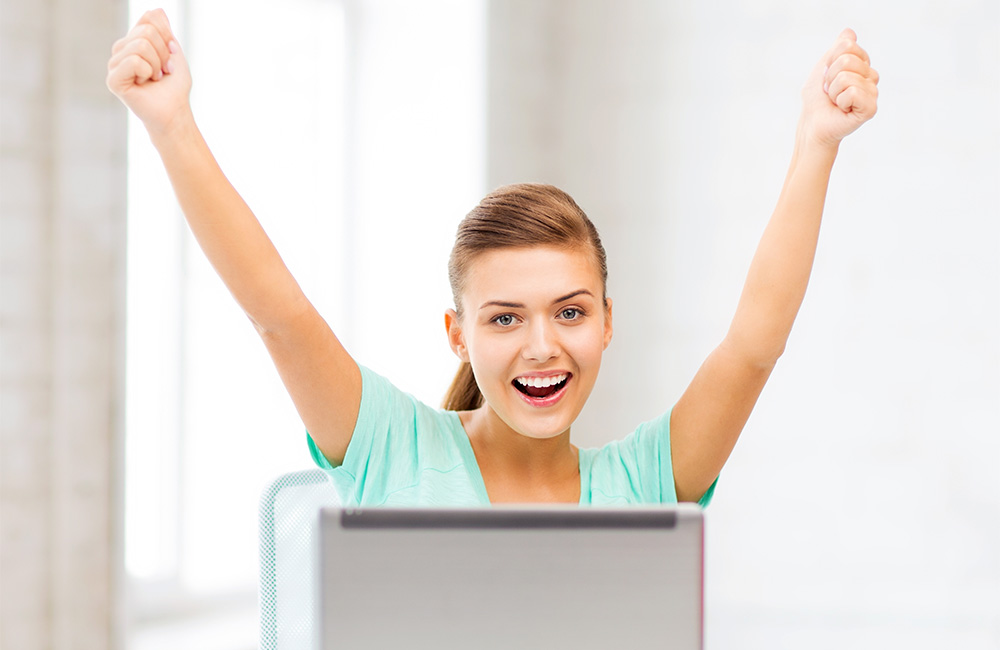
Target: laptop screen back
x,y
545,576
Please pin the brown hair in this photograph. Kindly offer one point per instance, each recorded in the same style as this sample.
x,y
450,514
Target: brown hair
x,y
514,216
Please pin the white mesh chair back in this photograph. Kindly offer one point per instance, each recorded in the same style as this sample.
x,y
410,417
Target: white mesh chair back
x,y
289,514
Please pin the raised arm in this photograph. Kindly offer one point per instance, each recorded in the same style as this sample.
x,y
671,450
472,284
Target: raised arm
x,y
149,73
838,97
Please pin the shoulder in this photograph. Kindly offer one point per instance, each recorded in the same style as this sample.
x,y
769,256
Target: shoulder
x,y
405,452
384,405
395,423
635,469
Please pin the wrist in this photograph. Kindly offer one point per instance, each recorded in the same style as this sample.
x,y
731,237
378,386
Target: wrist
x,y
179,128
809,144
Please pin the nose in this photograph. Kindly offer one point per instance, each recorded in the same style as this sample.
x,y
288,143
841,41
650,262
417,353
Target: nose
x,y
542,342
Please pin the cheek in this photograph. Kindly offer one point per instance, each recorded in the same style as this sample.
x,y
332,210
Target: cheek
x,y
494,355
586,345
491,355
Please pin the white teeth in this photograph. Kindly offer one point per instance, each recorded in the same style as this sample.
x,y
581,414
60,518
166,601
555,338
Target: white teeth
x,y
541,382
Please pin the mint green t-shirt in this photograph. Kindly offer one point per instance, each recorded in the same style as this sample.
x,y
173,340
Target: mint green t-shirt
x,y
405,453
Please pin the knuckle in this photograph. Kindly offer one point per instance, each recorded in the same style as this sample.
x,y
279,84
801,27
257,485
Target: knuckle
x,y
144,50
847,60
854,52
159,18
143,65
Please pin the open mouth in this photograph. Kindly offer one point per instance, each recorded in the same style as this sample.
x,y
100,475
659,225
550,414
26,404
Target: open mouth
x,y
541,388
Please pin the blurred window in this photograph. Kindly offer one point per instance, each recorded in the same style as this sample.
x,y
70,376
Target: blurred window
x,y
355,132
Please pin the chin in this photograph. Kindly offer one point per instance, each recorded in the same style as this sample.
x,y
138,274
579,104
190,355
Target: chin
x,y
545,417
541,432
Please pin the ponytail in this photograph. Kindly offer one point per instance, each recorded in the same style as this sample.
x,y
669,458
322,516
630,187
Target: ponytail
x,y
463,394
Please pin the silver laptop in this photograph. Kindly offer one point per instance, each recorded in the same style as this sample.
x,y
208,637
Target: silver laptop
x,y
541,576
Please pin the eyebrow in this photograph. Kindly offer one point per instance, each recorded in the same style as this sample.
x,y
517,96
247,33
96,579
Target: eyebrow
x,y
518,305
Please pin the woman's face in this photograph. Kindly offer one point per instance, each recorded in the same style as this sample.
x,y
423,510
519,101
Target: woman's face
x,y
534,327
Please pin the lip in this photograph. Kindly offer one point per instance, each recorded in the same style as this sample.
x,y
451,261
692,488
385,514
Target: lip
x,y
551,400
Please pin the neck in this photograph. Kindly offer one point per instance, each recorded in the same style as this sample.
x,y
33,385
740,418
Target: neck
x,y
533,460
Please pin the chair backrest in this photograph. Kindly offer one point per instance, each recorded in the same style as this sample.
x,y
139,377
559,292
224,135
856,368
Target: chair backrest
x,y
288,524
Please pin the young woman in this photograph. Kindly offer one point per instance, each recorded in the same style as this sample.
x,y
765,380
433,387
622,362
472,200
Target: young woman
x,y
530,323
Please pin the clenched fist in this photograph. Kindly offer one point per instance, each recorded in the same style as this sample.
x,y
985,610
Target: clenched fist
x,y
149,73
841,93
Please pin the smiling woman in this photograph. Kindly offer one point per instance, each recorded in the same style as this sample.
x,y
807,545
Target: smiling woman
x,y
529,252
534,336
666,122
517,334
543,329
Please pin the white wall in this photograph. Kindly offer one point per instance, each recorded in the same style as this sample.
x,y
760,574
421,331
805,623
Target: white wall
x,y
416,142
861,507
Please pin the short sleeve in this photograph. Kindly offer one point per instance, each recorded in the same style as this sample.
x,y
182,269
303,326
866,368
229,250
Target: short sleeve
x,y
385,430
635,469
638,468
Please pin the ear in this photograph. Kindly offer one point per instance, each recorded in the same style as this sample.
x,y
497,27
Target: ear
x,y
456,339
608,328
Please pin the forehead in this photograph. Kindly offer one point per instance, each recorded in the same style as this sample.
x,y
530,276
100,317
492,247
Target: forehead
x,y
539,273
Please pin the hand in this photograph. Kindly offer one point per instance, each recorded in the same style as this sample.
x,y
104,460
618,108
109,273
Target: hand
x,y
840,94
149,73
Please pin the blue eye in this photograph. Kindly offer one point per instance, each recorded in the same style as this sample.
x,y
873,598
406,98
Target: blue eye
x,y
571,313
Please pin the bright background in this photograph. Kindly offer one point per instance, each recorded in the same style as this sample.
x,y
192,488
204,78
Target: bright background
x,y
358,140
861,507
